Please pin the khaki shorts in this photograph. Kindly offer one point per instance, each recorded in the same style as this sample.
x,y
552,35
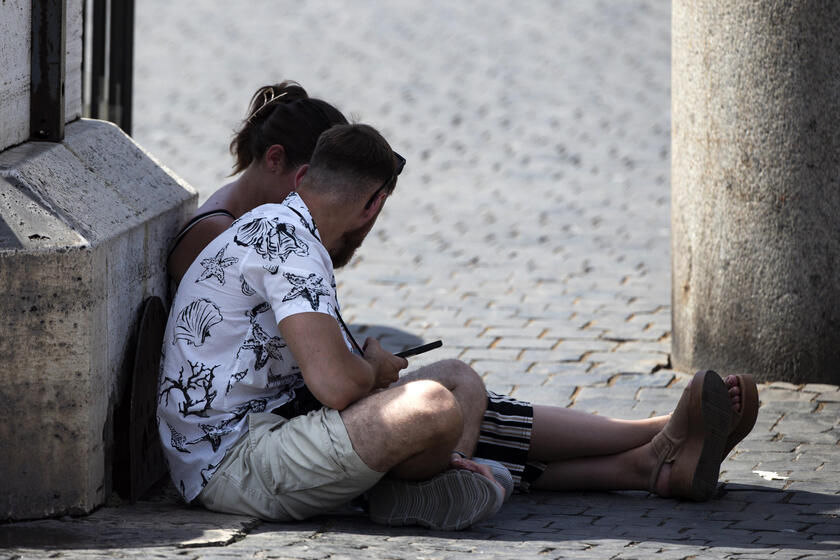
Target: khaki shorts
x,y
289,469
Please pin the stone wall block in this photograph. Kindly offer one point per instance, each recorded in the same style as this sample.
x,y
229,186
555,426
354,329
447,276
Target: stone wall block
x,y
85,228
756,188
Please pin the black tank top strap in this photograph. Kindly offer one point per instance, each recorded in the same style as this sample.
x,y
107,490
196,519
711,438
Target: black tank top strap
x,y
195,220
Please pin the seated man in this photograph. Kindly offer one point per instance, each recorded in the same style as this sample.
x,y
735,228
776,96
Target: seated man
x,y
265,408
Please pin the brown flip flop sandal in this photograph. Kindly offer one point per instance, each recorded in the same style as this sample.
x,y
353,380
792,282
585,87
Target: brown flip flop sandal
x,y
694,438
743,421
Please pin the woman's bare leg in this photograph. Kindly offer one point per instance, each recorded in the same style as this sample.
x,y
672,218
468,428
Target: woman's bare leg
x,y
627,469
560,433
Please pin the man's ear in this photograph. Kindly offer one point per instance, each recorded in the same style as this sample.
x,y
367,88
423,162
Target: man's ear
x,y
301,171
275,158
376,205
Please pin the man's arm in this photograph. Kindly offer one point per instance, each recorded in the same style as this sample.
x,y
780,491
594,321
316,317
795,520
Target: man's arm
x,y
336,376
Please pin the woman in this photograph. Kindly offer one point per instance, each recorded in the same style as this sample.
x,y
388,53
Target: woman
x,y
276,138
543,447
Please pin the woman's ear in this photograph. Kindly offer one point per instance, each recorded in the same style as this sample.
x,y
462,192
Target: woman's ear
x,y
275,159
299,174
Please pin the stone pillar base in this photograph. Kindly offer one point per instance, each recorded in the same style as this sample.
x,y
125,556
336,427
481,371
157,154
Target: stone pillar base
x,y
86,225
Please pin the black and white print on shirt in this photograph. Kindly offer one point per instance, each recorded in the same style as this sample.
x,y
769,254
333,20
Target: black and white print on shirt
x,y
214,267
244,409
309,225
271,239
264,346
246,288
310,288
177,440
196,390
235,378
283,384
213,434
207,472
194,321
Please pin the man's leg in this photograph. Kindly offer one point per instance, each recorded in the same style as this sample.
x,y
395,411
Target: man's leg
x,y
468,389
409,430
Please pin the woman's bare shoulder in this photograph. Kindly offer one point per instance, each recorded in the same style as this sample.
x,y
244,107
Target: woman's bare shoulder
x,y
225,198
210,219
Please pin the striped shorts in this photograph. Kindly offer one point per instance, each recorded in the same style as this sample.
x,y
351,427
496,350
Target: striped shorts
x,y
506,437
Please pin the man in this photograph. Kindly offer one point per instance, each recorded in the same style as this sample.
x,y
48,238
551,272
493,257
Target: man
x,y
265,409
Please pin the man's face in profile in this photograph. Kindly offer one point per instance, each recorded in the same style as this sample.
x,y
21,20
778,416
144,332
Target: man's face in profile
x,y
348,244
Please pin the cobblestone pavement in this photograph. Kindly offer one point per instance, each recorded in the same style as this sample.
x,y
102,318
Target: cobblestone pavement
x,y
529,232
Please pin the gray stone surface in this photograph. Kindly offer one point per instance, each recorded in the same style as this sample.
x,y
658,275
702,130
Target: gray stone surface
x,y
540,133
15,60
756,161
85,226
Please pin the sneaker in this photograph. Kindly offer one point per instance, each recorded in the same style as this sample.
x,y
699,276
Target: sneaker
x,y
500,473
450,501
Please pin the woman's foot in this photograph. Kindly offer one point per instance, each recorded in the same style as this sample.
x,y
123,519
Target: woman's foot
x,y
744,397
689,450
734,389
731,382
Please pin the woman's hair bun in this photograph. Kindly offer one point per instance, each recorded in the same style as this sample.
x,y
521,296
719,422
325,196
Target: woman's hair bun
x,y
268,96
284,114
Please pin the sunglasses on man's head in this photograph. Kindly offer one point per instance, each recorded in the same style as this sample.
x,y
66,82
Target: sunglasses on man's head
x,y
390,181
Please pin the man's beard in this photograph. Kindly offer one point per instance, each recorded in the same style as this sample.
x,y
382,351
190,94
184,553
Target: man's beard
x,y
348,244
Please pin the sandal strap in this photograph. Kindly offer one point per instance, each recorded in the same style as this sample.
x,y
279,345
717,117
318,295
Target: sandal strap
x,y
664,447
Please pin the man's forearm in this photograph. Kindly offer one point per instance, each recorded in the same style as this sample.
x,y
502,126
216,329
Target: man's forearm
x,y
343,384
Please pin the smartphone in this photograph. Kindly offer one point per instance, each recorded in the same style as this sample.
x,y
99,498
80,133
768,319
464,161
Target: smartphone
x,y
420,349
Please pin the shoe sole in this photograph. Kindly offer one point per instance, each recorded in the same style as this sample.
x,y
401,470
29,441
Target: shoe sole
x,y
500,473
452,500
710,416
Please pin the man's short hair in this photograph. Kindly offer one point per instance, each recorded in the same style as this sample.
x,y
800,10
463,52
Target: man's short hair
x,y
348,158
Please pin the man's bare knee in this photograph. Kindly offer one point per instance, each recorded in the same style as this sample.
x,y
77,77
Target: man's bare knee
x,y
451,373
435,407
415,418
466,376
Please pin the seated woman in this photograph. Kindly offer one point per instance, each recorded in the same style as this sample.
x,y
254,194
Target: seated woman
x,y
276,138
543,447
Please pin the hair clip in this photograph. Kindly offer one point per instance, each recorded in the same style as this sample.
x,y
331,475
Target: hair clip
x,y
266,102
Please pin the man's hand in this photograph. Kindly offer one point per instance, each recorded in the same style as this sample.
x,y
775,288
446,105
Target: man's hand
x,y
385,365
458,462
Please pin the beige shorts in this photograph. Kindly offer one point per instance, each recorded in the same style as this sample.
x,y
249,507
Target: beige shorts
x,y
289,469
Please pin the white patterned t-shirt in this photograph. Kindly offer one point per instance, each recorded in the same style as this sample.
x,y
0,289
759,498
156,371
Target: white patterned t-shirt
x,y
223,355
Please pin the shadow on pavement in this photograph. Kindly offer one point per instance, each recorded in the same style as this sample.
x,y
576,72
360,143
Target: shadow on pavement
x,y
392,339
743,517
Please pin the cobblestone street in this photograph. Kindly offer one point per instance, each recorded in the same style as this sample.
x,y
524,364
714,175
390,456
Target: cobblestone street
x,y
529,232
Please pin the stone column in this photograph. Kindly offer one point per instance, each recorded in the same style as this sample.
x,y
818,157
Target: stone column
x,y
755,214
